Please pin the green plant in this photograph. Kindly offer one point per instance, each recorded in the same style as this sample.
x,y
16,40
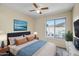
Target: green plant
x,y
69,36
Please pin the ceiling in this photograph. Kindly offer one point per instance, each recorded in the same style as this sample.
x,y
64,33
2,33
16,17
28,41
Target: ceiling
x,y
53,8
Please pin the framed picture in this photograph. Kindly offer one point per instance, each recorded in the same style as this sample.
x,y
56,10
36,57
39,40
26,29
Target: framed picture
x,y
20,25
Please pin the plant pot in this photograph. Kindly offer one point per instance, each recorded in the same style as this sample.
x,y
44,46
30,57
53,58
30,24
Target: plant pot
x,y
68,43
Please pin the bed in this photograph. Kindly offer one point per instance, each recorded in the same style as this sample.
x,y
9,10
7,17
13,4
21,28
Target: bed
x,y
31,48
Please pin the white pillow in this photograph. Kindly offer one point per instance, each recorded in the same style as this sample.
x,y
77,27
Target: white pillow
x,y
12,39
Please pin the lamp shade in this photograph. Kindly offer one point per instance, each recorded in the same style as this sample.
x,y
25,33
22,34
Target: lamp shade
x,y
3,37
35,33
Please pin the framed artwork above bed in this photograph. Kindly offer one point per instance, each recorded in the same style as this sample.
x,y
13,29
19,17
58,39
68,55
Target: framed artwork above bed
x,y
20,25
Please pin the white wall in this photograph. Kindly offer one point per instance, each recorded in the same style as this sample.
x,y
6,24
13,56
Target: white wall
x,y
76,12
7,16
75,15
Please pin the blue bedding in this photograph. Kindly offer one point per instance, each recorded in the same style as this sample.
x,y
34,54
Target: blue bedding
x,y
31,49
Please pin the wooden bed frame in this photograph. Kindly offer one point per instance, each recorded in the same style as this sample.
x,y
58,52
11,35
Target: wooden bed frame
x,y
16,34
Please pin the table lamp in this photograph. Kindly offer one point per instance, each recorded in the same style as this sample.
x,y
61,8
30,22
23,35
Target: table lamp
x,y
3,38
35,33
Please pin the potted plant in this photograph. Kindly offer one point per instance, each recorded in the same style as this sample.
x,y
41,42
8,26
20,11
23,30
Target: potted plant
x,y
69,36
68,39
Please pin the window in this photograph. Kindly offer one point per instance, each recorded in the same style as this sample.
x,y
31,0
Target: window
x,y
55,28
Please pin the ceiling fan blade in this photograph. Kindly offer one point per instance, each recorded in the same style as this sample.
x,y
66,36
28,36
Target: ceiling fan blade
x,y
44,8
31,10
35,5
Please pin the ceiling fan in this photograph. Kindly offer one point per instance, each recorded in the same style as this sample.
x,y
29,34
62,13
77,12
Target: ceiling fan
x,y
38,9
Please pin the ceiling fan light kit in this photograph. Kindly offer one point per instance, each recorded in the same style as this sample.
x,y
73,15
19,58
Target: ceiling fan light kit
x,y
38,11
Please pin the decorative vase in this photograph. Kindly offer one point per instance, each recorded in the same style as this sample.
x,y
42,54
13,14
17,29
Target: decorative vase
x,y
2,44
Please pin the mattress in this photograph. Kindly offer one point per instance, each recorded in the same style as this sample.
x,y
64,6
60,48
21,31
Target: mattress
x,y
49,49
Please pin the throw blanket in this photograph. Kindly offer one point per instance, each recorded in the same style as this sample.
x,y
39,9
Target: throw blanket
x,y
31,49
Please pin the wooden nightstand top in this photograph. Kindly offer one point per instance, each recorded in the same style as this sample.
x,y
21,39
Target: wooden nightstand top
x,y
5,49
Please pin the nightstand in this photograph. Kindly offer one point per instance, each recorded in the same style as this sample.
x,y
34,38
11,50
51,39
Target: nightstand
x,y
36,37
4,51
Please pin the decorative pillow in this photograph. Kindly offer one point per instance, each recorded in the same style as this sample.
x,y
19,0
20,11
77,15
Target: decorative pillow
x,y
21,41
12,39
30,37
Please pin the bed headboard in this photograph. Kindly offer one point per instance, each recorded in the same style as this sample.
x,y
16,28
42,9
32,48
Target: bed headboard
x,y
16,34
